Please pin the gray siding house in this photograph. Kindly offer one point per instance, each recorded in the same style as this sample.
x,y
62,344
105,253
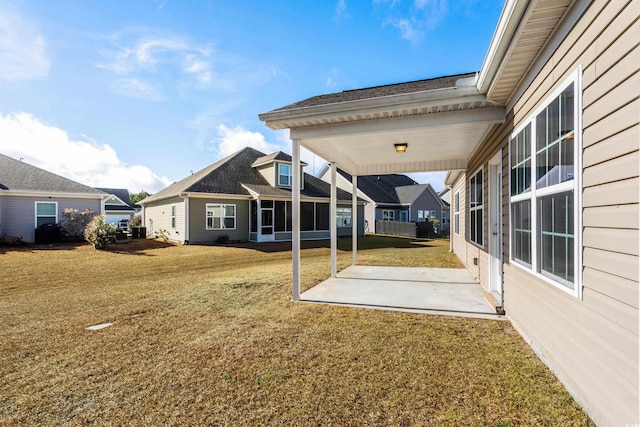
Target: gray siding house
x,y
245,197
393,197
542,147
31,197
118,206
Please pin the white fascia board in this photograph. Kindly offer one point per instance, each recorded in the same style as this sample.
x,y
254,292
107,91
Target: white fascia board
x,y
215,196
29,193
508,24
380,105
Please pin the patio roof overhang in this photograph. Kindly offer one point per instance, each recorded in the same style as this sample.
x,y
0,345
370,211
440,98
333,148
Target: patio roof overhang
x,y
441,127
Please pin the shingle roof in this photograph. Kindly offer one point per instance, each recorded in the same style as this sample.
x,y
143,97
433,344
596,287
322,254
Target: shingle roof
x,y
407,194
120,193
21,176
381,188
379,91
234,174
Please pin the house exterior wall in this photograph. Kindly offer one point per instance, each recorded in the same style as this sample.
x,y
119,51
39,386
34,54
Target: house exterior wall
x,y
19,215
426,201
157,217
198,232
590,343
369,208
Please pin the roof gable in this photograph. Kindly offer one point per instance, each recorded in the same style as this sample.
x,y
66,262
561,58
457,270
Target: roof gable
x,y
16,175
381,188
121,194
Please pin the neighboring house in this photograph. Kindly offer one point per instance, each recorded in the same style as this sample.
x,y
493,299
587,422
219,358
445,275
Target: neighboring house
x,y
543,145
247,197
31,197
392,197
118,206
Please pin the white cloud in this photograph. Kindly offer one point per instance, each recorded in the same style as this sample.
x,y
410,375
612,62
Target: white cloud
x,y
22,49
414,21
340,12
90,163
137,89
229,140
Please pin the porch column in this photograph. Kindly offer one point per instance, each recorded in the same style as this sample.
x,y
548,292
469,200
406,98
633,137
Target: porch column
x,y
354,220
258,221
332,222
295,218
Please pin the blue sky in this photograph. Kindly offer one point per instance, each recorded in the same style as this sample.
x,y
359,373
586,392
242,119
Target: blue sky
x,y
137,94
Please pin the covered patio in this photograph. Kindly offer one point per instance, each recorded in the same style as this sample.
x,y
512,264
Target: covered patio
x,y
423,126
444,291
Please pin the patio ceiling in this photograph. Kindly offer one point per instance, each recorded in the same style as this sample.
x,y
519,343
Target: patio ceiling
x,y
441,125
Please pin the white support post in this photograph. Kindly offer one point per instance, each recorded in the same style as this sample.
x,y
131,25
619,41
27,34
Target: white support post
x,y
332,222
295,214
354,220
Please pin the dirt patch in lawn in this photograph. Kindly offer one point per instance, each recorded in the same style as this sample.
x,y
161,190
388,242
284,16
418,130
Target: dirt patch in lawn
x,y
208,335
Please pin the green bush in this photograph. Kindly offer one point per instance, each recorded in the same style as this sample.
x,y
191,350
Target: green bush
x,y
100,233
223,239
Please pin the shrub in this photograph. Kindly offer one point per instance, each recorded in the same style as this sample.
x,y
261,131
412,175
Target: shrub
x,y
100,233
222,239
135,220
74,222
6,240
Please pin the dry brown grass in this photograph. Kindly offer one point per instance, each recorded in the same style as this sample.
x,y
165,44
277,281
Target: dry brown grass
x,y
208,335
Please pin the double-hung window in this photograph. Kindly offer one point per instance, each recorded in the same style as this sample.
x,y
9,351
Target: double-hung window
x,y
456,212
476,208
544,159
388,215
343,217
284,175
173,216
46,213
221,216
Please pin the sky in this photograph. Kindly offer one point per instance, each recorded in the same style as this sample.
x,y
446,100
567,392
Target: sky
x,y
140,94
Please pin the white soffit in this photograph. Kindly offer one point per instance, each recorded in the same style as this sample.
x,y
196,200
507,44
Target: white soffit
x,y
436,142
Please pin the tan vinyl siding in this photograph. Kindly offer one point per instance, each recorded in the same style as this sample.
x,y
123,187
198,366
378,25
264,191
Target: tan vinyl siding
x,y
157,217
198,232
268,171
18,212
592,344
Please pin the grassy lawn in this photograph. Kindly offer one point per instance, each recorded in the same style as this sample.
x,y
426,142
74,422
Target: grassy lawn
x,y
208,335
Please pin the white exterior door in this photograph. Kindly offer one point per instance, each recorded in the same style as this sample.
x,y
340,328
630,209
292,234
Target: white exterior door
x,y
495,227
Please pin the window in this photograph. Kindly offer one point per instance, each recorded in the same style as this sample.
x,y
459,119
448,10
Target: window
x,y
444,217
388,215
284,175
433,214
420,216
307,216
476,209
544,155
343,217
173,216
221,216
46,213
456,212
322,216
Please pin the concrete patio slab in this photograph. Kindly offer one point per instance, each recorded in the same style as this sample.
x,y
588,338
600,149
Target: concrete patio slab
x,y
420,290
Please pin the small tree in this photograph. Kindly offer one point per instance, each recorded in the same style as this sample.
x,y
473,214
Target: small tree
x,y
135,220
99,232
74,222
136,197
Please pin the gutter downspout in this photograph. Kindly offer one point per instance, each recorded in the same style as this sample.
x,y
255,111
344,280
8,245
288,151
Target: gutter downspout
x,y
185,197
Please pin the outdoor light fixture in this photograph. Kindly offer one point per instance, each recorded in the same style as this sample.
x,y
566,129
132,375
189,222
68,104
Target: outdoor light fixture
x,y
401,147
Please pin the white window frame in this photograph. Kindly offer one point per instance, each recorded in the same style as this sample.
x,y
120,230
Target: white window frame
x,y
289,176
173,216
420,216
390,214
433,214
209,207
456,212
36,216
535,194
443,217
343,216
479,207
